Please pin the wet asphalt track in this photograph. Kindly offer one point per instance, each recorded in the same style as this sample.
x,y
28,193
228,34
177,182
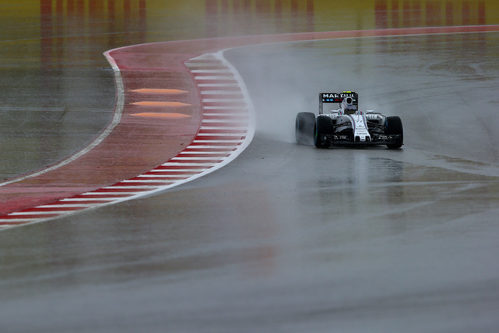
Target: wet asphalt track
x,y
289,238
52,109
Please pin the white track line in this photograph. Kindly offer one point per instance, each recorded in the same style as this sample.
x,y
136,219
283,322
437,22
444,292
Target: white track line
x,y
217,85
210,147
202,64
37,213
91,199
220,92
178,174
218,121
64,206
210,71
148,181
210,158
224,107
222,100
205,152
214,77
223,128
14,222
186,164
226,114
218,141
116,193
120,102
119,187
220,134
174,170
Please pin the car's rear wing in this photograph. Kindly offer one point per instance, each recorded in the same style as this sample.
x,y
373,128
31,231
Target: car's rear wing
x,y
328,97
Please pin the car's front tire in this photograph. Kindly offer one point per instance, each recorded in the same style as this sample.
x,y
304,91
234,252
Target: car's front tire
x,y
323,129
393,125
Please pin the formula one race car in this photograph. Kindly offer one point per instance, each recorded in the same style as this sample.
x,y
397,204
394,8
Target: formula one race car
x,y
347,125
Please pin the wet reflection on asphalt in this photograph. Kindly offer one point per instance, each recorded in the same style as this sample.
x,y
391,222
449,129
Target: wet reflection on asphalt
x,y
290,238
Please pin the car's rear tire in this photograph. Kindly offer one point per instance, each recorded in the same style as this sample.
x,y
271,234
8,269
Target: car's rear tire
x,y
393,125
304,128
323,129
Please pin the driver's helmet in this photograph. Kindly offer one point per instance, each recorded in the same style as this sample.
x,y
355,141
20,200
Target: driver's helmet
x,y
347,106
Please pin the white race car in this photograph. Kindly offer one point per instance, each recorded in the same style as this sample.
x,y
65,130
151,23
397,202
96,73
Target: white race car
x,y
347,125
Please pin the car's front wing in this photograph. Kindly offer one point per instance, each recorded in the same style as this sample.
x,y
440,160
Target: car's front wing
x,y
376,140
